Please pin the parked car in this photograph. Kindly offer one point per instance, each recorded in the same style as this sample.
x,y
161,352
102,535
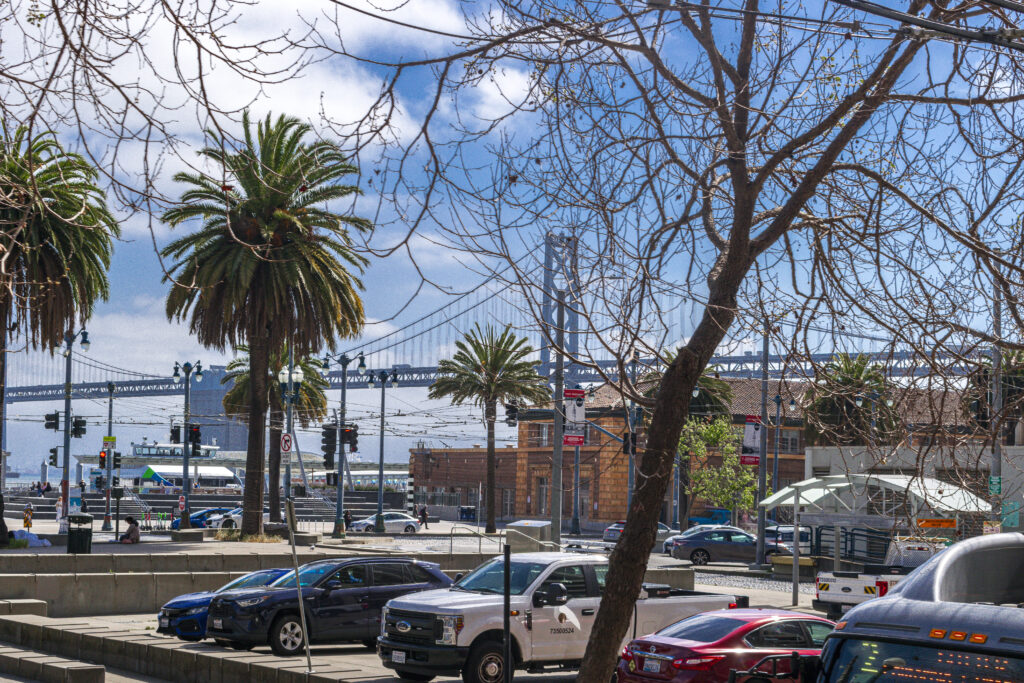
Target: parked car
x,y
185,615
705,647
612,533
343,599
671,540
232,519
784,534
723,545
394,523
712,516
198,519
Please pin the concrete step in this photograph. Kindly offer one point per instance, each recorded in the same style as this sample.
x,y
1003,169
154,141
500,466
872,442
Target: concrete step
x,y
41,666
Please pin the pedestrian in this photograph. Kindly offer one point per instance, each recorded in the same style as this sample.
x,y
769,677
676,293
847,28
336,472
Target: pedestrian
x,y
131,535
58,507
26,516
348,519
424,516
85,505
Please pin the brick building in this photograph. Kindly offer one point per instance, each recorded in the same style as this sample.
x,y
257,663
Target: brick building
x,y
449,477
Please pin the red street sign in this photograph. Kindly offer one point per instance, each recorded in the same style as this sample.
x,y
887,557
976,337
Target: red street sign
x,y
750,459
181,503
286,443
574,393
572,440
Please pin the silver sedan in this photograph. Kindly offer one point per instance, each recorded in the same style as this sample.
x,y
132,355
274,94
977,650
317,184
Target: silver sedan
x,y
394,523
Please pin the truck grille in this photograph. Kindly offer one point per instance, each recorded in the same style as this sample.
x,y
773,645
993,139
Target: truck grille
x,y
423,629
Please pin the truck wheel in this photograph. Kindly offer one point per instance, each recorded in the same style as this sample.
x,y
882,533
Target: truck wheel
x,y
486,663
286,635
700,557
410,676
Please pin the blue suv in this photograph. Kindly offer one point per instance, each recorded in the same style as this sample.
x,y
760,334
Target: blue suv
x,y
185,615
198,519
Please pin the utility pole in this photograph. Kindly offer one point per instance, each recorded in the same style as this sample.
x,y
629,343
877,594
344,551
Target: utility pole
x,y
69,341
339,509
110,455
775,460
762,461
574,526
559,417
186,441
288,426
995,480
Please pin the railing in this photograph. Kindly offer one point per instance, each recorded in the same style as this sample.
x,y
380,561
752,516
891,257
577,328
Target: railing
x,y
859,545
498,538
143,505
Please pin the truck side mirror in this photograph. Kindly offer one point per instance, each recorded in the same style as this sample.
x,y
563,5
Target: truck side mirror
x,y
458,577
555,594
332,585
810,667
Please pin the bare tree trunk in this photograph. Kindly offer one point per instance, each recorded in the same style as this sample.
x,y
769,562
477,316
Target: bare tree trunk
x,y
274,462
628,561
490,411
252,500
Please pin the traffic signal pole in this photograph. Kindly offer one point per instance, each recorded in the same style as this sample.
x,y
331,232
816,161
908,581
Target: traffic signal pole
x,y
339,506
110,455
69,340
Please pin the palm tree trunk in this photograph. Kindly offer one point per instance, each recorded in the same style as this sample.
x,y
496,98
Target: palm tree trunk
x,y
252,500
274,462
490,412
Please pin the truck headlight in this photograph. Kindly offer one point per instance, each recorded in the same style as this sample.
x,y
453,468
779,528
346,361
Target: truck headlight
x,y
451,626
384,621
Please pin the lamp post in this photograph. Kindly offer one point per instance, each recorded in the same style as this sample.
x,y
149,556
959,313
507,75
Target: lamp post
x,y
69,341
383,378
186,442
574,524
290,379
339,507
110,454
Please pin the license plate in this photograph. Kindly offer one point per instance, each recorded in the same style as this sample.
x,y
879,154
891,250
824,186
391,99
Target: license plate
x,y
164,622
397,657
652,666
218,623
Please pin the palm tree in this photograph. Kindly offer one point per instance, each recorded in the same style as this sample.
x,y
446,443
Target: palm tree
x,y
489,368
848,402
55,242
310,406
270,265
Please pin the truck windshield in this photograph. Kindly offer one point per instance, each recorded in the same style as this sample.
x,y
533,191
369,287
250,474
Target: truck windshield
x,y
308,575
490,577
867,661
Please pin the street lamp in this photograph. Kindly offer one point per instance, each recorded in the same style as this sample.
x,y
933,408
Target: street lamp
x,y
383,378
574,524
339,506
69,341
290,378
186,442
111,388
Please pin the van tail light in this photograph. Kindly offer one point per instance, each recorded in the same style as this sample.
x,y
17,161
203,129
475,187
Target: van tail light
x,y
696,663
733,605
627,654
882,586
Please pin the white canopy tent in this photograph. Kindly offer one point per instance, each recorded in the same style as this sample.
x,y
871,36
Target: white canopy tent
x,y
841,493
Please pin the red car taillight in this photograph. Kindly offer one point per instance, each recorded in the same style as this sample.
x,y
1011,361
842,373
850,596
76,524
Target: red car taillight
x,y
698,663
627,654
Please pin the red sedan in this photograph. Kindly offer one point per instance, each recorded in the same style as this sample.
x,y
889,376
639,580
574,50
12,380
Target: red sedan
x,y
705,647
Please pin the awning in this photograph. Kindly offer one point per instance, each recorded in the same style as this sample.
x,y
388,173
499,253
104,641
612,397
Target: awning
x,y
212,471
925,492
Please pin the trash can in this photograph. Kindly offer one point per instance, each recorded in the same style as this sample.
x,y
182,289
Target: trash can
x,y
529,536
79,534
467,513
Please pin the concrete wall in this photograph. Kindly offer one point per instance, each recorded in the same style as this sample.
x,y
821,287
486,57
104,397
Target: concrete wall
x,y
31,563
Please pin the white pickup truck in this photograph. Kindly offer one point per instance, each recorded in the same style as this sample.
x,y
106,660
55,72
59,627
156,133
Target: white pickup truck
x,y
837,592
554,601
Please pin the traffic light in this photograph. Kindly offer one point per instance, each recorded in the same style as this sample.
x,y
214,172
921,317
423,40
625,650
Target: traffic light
x,y
176,434
53,457
332,478
99,483
346,435
329,444
78,427
195,437
116,481
52,421
511,414
103,460
353,439
116,460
